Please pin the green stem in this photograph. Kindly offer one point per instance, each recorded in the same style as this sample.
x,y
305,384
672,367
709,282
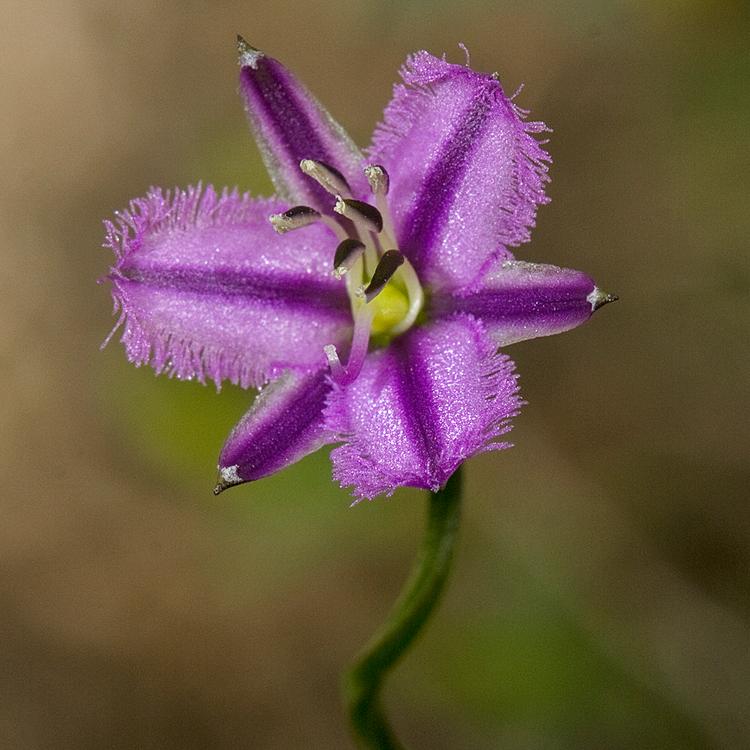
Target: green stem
x,y
418,598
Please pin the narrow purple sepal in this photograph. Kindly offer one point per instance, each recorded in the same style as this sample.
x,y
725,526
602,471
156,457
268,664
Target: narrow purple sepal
x,y
289,124
436,396
208,290
466,172
284,424
518,301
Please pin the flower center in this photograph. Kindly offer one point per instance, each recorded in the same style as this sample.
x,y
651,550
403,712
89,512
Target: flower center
x,y
384,291
391,308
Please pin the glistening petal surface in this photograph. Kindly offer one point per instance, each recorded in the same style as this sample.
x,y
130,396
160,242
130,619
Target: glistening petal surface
x,y
466,173
283,425
289,124
519,300
207,289
436,396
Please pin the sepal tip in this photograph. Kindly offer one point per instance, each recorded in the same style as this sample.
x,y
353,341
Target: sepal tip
x,y
227,478
248,55
599,298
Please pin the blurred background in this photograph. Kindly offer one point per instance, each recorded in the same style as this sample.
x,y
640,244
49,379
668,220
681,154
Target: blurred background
x,y
600,596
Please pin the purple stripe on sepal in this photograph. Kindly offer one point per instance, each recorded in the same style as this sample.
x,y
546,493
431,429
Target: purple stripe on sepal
x,y
519,300
284,424
289,124
436,396
466,173
208,289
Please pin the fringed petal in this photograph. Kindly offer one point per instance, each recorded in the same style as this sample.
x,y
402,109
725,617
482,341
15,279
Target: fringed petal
x,y
436,396
289,124
284,424
466,172
207,289
518,301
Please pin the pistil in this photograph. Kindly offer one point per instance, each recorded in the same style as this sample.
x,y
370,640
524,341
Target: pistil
x,y
363,319
416,298
343,375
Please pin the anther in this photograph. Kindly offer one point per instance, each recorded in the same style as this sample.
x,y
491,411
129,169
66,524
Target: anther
x,y
387,266
294,218
327,176
378,179
360,213
346,256
248,55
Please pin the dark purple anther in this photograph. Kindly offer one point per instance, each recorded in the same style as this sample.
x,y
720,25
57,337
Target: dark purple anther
x,y
387,266
361,213
294,218
346,254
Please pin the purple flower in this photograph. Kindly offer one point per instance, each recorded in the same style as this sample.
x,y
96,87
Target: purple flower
x,y
371,307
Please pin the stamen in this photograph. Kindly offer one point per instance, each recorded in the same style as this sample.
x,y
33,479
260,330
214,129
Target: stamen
x,y
361,213
346,256
380,184
387,266
326,176
378,178
294,218
360,341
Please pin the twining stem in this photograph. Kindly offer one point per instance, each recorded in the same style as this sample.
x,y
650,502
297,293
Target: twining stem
x,y
418,598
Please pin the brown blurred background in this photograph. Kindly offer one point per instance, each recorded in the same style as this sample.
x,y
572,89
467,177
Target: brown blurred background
x,y
600,596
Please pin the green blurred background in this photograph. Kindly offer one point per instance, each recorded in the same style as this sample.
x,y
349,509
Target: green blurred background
x,y
600,596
